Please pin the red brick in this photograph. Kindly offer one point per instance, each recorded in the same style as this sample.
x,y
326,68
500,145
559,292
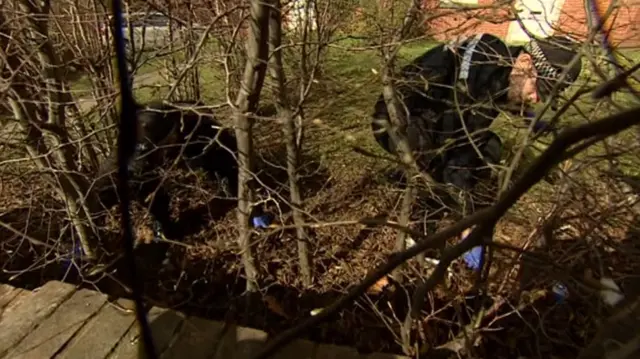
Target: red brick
x,y
623,24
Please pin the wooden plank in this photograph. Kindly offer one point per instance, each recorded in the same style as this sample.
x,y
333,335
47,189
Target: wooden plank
x,y
101,334
26,311
241,343
198,338
7,294
10,295
164,324
55,331
5,288
21,297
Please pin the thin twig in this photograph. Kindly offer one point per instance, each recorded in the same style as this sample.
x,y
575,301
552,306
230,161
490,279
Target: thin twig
x,y
484,219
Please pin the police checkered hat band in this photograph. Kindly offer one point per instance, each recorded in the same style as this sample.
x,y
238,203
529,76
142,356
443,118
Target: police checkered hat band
x,y
542,65
550,57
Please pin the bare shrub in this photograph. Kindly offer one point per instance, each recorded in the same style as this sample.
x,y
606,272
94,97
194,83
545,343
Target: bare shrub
x,y
339,222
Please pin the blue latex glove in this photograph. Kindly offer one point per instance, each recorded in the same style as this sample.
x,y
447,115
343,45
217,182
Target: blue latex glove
x,y
157,232
76,253
560,292
261,221
472,258
540,126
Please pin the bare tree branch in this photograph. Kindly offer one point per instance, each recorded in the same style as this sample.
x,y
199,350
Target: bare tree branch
x,y
289,127
247,102
483,219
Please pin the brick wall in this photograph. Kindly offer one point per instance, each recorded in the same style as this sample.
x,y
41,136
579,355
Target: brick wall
x,y
623,26
449,23
624,22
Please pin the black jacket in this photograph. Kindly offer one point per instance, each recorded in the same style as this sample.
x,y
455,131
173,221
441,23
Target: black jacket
x,y
427,91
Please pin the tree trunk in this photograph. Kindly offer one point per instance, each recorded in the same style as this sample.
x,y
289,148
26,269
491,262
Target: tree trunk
x,y
27,108
397,122
394,127
247,102
285,115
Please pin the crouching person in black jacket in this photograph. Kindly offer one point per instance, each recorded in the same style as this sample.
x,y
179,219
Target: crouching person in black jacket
x,y
453,92
166,133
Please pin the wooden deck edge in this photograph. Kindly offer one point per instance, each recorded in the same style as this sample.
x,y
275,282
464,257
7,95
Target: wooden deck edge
x,y
238,334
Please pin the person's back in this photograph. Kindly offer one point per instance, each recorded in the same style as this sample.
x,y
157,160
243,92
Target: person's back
x,y
453,92
434,115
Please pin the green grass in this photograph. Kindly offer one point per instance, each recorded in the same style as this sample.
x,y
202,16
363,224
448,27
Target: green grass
x,y
350,88
148,65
